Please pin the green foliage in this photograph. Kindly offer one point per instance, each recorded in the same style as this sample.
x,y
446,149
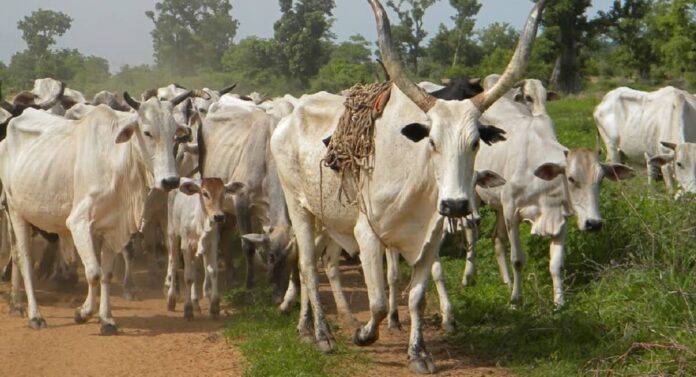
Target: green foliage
x,y
451,47
349,64
40,29
272,347
191,34
303,33
409,34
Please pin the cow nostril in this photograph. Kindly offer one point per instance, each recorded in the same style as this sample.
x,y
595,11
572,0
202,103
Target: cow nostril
x,y
454,207
170,183
593,225
219,218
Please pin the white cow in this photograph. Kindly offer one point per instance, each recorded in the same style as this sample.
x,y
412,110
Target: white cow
x,y
422,171
47,88
529,92
94,176
195,211
643,126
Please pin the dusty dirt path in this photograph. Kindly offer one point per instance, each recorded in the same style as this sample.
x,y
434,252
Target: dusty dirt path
x,y
151,341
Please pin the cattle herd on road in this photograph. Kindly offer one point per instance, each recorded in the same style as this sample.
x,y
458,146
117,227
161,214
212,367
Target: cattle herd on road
x,y
191,168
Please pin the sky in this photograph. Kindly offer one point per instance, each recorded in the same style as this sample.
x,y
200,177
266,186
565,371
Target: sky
x,y
119,31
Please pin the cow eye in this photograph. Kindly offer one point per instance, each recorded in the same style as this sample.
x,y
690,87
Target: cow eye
x,y
571,179
476,145
528,98
206,195
147,133
680,165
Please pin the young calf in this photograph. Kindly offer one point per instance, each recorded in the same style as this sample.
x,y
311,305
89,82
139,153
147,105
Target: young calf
x,y
193,230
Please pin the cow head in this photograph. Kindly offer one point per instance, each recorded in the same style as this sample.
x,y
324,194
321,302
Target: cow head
x,y
211,192
683,160
452,127
156,132
583,174
533,95
275,246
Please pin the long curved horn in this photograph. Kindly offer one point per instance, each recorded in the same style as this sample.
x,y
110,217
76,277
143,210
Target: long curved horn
x,y
181,97
392,64
199,93
227,89
131,102
518,63
386,74
48,104
6,106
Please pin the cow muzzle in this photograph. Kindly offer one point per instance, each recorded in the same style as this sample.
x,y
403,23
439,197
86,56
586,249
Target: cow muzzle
x,y
593,225
170,183
218,218
454,207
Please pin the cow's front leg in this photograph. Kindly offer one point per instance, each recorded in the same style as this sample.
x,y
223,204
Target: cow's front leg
x,y
108,325
195,301
556,267
448,323
394,324
371,257
188,280
79,224
518,259
210,262
21,256
420,360
174,250
500,248
293,289
128,256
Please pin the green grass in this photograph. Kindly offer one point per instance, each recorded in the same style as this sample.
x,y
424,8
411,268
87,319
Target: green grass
x,y
630,289
271,346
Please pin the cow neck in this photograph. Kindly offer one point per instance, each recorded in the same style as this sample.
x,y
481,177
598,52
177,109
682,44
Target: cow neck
x,y
139,176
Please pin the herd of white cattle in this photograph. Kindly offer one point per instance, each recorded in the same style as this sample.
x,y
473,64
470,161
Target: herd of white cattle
x,y
96,176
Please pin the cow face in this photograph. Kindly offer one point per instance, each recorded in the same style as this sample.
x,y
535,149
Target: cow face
x,y
454,139
533,95
211,192
683,160
275,247
156,133
583,174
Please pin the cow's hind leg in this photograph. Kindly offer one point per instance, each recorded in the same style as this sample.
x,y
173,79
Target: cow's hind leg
x,y
518,259
470,266
331,263
293,289
500,248
371,257
22,257
244,226
128,256
394,324
108,325
16,307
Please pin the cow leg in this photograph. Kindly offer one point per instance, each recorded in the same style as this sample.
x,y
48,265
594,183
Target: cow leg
x,y
500,240
108,325
22,257
303,223
470,266
7,270
16,307
188,280
244,226
668,176
227,249
518,259
556,267
79,226
394,324
195,302
371,257
293,288
128,285
304,325
48,263
174,246
331,263
210,261
420,360
448,323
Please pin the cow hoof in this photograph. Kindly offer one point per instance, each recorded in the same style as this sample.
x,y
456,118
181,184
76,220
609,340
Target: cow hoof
x,y
171,303
215,308
17,311
363,340
37,323
468,282
284,308
395,327
516,303
326,344
129,296
196,306
188,312
108,329
79,318
422,365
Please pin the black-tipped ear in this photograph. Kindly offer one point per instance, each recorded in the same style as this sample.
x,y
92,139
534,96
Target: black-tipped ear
x,y
491,134
415,132
326,141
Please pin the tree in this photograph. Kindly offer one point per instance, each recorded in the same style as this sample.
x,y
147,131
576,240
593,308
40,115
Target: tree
x,y
626,25
41,28
464,22
675,35
350,64
191,34
566,25
451,47
409,33
303,35
497,41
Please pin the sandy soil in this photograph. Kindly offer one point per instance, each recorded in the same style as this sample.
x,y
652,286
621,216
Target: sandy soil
x,y
154,342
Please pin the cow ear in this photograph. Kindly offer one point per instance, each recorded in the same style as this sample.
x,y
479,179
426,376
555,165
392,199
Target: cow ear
x,y
617,172
491,134
489,179
182,134
190,187
126,129
415,132
661,159
552,96
549,171
234,187
669,145
256,238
